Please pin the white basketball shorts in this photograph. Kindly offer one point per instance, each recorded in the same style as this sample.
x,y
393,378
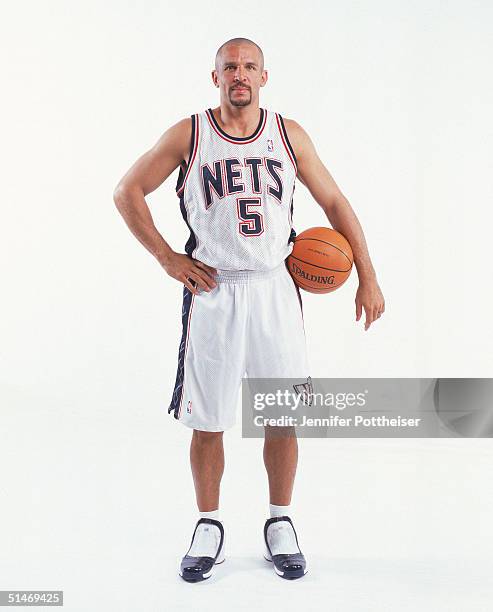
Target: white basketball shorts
x,y
250,324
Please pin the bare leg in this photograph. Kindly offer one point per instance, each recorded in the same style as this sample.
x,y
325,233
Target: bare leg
x,y
207,461
280,459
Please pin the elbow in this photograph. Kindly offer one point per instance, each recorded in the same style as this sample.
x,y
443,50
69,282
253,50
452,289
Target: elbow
x,y
335,204
125,192
117,194
329,206
120,195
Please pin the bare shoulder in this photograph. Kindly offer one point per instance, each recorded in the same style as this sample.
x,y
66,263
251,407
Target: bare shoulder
x,y
183,126
291,124
176,139
156,164
298,137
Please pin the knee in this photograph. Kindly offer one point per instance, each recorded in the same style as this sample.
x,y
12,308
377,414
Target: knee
x,y
207,437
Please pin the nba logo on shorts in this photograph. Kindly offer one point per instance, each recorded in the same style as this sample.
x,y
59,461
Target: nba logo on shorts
x,y
189,407
305,391
270,145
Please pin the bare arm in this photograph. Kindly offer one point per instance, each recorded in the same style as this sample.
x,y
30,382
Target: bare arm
x,y
318,180
144,177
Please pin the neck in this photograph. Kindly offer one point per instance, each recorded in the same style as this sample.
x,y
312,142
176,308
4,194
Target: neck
x,y
237,120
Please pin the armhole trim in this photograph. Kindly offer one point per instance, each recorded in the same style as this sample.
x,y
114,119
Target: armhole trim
x,y
184,167
285,140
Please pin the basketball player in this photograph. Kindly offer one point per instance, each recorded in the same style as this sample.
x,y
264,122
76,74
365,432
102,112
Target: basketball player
x,y
241,309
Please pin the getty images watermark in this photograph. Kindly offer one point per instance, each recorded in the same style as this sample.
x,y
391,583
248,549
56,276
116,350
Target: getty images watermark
x,y
369,407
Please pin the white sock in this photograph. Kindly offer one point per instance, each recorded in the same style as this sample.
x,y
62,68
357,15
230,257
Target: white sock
x,y
281,538
280,535
279,510
213,514
207,537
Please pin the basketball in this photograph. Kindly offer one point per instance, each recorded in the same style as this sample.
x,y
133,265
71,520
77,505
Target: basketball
x,y
321,260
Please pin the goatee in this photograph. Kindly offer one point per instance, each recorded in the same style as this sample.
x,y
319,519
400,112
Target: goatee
x,y
240,102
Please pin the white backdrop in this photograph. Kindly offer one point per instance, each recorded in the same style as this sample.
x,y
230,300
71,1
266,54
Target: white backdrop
x,y
396,97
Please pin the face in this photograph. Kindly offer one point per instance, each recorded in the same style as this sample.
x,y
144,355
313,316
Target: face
x,y
239,74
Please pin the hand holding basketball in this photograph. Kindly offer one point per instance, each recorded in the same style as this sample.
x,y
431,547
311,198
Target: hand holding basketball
x,y
321,261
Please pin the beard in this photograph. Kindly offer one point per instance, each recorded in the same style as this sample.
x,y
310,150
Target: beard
x,y
243,101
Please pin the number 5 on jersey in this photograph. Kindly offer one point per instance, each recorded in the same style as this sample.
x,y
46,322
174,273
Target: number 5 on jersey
x,y
251,221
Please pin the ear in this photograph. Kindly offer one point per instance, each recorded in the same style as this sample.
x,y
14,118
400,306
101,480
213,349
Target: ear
x,y
215,80
265,78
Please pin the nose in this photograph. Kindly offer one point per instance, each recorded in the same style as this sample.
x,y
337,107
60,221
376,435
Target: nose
x,y
240,73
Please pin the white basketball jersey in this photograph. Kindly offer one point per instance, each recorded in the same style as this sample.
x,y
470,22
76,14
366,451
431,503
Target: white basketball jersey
x,y
236,194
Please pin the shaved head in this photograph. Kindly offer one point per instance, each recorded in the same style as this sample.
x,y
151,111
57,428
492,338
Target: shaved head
x,y
239,72
238,41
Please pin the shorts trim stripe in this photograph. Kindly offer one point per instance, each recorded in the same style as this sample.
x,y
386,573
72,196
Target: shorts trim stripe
x,y
177,398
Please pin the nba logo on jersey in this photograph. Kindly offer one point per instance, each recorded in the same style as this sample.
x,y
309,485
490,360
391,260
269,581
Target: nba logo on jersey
x,y
270,145
189,407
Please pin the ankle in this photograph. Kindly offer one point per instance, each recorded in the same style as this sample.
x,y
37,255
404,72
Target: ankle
x,y
212,514
276,510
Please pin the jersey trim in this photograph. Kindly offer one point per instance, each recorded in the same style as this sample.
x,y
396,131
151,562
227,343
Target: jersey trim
x,y
194,142
191,243
236,139
285,140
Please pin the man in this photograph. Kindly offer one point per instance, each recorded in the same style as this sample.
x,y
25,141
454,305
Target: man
x,y
241,309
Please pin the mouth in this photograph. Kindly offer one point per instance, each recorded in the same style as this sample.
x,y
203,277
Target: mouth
x,y
240,89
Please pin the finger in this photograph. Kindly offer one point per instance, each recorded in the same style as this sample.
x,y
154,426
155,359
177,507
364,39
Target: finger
x,y
211,271
375,313
358,311
369,319
207,280
190,287
201,282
